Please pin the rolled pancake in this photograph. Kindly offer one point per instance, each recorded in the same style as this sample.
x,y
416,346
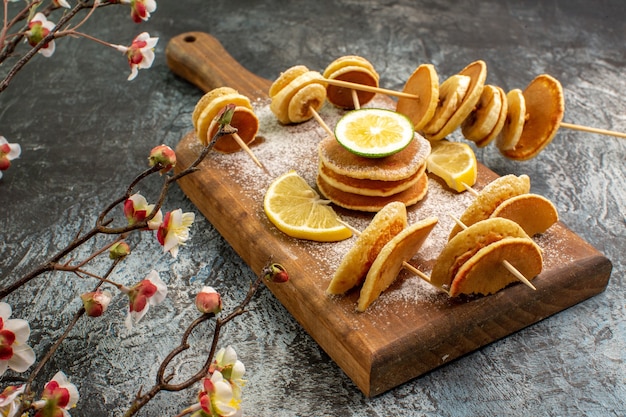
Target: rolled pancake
x,y
396,167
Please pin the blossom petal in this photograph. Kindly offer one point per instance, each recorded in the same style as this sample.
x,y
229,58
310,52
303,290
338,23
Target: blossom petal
x,y
5,309
23,357
20,328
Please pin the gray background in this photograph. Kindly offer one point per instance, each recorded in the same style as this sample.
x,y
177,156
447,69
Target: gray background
x,y
85,132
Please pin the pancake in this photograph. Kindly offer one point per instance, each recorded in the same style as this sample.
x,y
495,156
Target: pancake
x,y
247,125
391,258
342,96
352,201
466,243
545,107
396,167
490,197
534,213
485,273
477,71
386,224
374,188
424,83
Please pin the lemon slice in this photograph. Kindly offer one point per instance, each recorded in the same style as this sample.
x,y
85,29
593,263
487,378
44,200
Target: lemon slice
x,y
374,133
453,162
297,210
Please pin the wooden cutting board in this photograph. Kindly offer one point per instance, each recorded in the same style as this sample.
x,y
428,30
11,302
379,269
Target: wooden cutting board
x,y
412,328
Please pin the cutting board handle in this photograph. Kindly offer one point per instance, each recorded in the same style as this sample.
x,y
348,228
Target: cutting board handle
x,y
202,60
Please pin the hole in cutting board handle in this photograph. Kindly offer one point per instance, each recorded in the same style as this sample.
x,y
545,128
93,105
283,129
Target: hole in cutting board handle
x,y
190,38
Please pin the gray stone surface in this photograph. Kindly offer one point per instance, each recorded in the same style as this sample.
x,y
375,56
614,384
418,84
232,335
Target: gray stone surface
x,y
85,132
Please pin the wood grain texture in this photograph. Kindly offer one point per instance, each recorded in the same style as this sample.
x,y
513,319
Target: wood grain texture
x,y
378,352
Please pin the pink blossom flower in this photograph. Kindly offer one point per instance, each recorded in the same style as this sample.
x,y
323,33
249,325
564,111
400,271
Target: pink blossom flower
x,y
14,353
231,368
208,301
163,156
96,302
8,152
10,401
174,230
217,398
136,209
59,395
149,291
38,28
140,9
140,53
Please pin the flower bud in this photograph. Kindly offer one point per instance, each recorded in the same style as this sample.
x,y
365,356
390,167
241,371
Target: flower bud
x,y
96,302
208,301
119,250
275,273
163,156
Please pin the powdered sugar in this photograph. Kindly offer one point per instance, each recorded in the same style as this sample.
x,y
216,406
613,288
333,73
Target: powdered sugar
x,y
295,147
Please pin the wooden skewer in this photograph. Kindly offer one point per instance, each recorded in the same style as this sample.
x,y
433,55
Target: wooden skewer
x,y
321,121
355,99
369,88
593,130
506,263
246,148
405,265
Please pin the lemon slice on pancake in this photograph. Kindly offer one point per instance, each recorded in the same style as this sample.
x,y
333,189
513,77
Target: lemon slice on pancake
x,y
453,162
374,133
298,211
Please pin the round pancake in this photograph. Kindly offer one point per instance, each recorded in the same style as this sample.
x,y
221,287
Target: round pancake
x,y
375,188
386,224
485,273
389,261
285,78
466,243
514,123
213,109
479,126
342,96
348,61
280,101
247,125
545,107
534,213
206,99
504,108
477,71
373,204
309,97
490,197
424,83
396,167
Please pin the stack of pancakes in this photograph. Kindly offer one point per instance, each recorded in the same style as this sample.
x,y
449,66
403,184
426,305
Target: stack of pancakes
x,y
368,184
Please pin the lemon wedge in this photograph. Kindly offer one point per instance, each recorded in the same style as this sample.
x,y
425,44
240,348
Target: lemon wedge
x,y
297,210
453,162
374,133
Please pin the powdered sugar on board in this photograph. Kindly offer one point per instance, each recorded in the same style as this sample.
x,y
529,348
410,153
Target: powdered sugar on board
x,y
294,147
